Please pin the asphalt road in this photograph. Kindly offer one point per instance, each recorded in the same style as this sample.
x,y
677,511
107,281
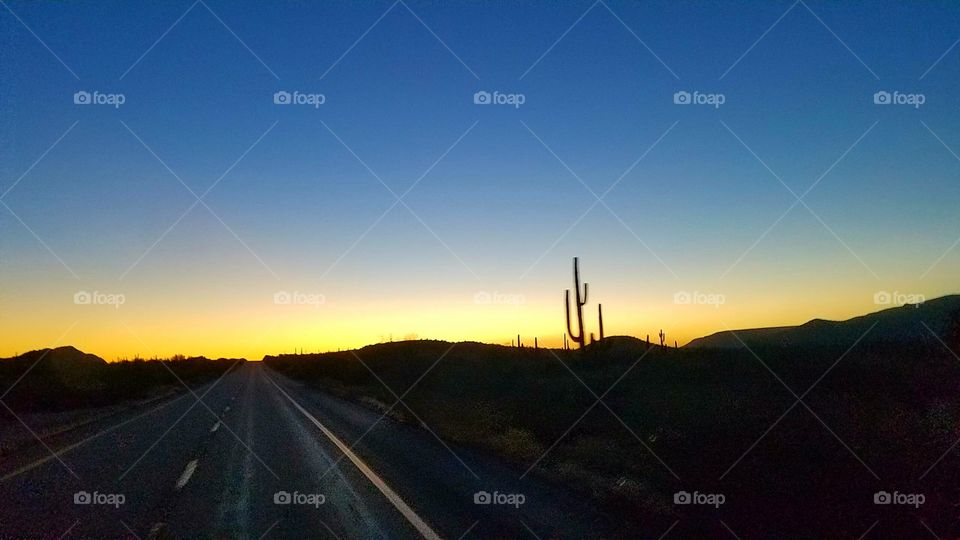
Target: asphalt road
x,y
255,455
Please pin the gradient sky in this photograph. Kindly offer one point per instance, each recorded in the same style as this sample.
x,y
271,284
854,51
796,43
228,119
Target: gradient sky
x,y
503,208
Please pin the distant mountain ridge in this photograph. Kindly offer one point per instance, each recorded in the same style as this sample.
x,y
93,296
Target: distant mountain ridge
x,y
68,365
59,355
934,320
65,378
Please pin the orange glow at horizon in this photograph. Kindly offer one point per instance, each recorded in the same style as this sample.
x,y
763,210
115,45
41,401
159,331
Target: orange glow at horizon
x,y
244,329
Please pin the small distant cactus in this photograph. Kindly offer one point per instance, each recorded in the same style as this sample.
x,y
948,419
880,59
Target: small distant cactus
x,y
662,337
600,315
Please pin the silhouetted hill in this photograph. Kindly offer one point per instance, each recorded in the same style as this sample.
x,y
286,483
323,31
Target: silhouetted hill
x,y
617,348
65,378
911,323
611,348
59,355
68,366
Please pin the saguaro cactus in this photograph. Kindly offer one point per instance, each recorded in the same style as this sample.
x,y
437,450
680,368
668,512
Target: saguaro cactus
x,y
600,314
662,336
581,336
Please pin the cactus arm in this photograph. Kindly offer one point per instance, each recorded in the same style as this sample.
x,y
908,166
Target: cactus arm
x,y
569,327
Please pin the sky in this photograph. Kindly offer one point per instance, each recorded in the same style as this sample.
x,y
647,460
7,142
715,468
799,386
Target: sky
x,y
179,209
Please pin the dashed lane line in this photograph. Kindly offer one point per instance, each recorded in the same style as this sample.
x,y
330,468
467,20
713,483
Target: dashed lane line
x,y
187,473
61,451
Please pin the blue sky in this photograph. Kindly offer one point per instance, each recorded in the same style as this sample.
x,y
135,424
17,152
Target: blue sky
x,y
798,82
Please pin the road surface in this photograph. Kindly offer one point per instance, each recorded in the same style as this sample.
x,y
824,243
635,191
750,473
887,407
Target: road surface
x,y
256,455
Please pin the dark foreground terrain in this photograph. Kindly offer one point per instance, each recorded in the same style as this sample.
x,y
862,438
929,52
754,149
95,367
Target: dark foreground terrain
x,y
797,439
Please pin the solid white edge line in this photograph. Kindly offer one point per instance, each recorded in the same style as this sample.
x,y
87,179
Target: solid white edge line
x,y
375,479
70,447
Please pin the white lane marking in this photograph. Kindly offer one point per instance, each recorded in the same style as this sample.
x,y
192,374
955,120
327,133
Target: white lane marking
x,y
187,473
61,451
215,427
156,530
375,479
